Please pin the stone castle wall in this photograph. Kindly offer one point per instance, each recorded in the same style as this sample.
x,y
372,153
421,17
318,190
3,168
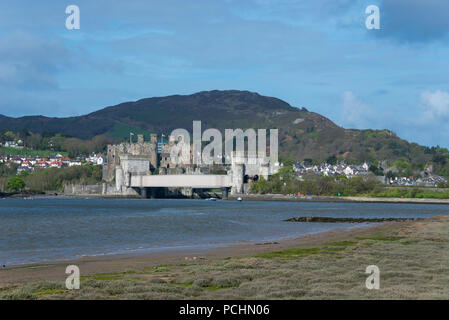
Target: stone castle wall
x,y
147,149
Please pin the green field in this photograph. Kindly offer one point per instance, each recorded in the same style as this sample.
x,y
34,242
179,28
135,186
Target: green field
x,y
29,152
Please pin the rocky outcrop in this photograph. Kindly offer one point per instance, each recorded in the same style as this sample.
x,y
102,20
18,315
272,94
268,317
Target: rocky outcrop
x,y
350,220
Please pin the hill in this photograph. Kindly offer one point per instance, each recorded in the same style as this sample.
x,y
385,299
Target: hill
x,y
302,134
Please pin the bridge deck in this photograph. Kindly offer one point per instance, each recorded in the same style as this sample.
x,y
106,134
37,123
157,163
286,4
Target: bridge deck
x,y
182,180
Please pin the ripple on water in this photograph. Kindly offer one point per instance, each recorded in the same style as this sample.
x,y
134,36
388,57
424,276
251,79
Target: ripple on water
x,y
55,228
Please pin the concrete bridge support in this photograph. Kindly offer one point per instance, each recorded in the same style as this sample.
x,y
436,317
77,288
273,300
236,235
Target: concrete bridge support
x,y
237,178
187,192
152,193
224,193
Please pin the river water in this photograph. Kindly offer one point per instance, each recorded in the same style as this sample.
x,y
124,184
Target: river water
x,y
43,229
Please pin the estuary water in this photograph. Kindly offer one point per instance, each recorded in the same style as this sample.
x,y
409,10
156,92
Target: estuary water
x,y
46,229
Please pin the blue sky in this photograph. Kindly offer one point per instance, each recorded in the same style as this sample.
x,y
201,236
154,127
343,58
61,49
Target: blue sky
x,y
315,54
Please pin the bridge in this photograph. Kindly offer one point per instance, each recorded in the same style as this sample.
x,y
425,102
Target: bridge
x,y
195,181
147,184
133,172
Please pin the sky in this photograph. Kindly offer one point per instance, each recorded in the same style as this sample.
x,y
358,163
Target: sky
x,y
314,54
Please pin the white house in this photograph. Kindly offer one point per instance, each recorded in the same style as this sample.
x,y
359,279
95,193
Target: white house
x,y
12,144
365,166
348,171
74,163
100,159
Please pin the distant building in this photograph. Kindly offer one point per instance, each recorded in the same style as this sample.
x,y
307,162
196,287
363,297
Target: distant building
x,y
11,144
74,163
365,166
100,159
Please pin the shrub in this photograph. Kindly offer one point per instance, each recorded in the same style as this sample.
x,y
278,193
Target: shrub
x,y
16,184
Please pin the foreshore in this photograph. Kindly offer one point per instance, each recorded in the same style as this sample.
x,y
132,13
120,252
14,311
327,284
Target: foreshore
x,y
255,197
98,262
281,197
411,255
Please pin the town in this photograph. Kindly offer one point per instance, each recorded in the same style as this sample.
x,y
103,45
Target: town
x,y
427,179
29,164
338,168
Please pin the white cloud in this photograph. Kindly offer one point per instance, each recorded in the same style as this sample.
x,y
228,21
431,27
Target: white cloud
x,y
355,112
436,104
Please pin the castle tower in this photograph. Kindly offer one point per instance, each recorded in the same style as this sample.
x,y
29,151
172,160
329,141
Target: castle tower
x,y
140,139
153,139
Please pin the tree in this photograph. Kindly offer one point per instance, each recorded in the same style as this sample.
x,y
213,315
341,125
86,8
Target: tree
x,y
391,174
34,141
16,184
288,162
8,169
260,186
308,162
332,160
376,170
9,136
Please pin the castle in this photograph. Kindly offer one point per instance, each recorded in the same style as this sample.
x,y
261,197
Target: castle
x,y
150,162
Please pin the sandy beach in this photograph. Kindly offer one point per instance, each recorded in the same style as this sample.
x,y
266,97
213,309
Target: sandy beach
x,y
411,255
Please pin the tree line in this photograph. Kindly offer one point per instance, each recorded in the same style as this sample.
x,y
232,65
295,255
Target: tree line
x,y
51,179
287,182
57,142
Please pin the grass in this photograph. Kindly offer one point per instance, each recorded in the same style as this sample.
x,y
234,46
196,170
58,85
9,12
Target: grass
x,y
107,277
29,152
184,284
381,238
412,258
343,243
290,253
48,292
412,193
42,289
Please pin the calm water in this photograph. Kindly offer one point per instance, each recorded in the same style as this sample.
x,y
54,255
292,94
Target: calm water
x,y
54,228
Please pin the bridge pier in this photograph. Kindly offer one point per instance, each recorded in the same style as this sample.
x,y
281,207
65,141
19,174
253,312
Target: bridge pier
x,y
237,178
144,192
187,192
153,192
224,192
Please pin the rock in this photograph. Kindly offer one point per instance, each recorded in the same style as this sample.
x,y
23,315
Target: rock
x,y
350,220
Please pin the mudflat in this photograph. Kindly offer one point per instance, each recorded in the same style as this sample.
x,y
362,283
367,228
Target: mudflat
x,y
412,256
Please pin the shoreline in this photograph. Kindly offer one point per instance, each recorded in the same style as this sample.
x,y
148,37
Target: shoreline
x,y
280,197
207,248
250,197
328,265
55,269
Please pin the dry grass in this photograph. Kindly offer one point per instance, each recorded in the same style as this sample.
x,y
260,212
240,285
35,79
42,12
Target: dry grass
x,y
413,259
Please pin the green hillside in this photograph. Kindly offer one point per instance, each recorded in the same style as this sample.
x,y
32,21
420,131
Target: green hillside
x,y
302,134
